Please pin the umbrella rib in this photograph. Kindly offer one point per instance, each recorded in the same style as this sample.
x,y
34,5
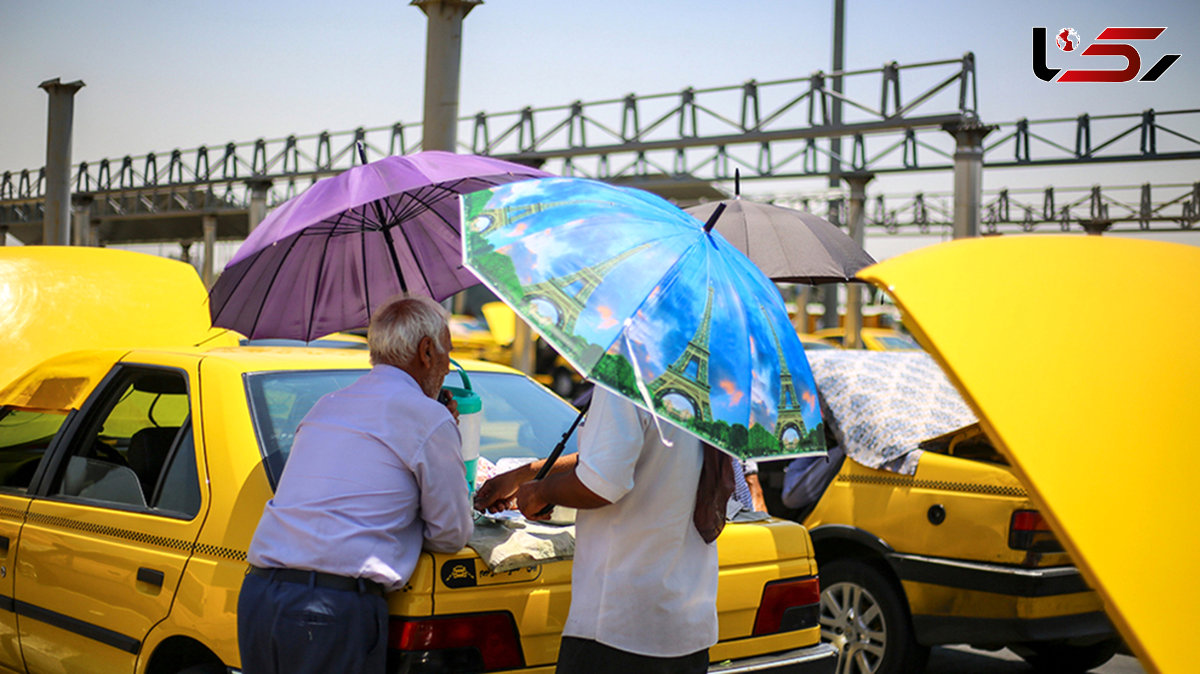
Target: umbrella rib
x,y
362,240
312,312
391,246
247,265
270,285
408,242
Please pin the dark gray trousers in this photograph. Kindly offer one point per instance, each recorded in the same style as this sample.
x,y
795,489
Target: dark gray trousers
x,y
293,628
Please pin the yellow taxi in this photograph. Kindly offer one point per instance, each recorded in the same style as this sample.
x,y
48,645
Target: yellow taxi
x,y
924,535
132,479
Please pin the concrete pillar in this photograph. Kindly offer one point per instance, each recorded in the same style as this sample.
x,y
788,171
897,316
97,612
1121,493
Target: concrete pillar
x,y
81,226
56,225
258,202
858,221
443,52
968,174
209,225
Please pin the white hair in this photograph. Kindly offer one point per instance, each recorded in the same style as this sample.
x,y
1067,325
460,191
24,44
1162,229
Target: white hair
x,y
398,326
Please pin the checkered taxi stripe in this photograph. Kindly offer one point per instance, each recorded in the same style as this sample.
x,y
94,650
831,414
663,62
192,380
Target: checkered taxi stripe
x,y
140,537
939,485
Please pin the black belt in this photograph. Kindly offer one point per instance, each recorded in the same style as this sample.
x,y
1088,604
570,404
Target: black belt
x,y
320,579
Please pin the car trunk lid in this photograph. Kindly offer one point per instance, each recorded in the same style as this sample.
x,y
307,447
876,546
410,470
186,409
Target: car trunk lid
x,y
1091,422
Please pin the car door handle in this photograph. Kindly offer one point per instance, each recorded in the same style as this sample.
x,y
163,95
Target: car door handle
x,y
151,576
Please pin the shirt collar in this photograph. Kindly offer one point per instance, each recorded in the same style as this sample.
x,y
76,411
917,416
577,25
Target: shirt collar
x,y
397,375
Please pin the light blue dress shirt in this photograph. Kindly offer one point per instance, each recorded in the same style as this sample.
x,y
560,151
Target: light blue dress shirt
x,y
375,474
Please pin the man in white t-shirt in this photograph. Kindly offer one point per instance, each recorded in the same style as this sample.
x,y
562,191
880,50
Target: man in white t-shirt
x,y
644,584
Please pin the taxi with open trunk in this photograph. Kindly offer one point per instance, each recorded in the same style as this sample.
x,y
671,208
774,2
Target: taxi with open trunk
x,y
133,473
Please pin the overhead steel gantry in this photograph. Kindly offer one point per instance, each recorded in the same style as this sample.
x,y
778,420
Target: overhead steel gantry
x,y
1166,207
671,143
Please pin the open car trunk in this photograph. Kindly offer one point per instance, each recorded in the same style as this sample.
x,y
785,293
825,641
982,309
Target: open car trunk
x,y
1042,347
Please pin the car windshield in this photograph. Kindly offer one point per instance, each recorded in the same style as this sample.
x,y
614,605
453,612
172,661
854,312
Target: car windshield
x,y
521,418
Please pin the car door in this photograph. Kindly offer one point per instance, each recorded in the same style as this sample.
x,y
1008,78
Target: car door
x,y
105,544
25,435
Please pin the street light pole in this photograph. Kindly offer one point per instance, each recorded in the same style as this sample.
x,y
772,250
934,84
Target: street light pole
x,y
830,292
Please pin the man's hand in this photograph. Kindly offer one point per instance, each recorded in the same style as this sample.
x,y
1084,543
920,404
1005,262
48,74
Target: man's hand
x,y
446,398
531,500
499,493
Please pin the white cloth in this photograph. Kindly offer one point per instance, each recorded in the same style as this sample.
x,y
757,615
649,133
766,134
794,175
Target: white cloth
x,y
644,581
375,472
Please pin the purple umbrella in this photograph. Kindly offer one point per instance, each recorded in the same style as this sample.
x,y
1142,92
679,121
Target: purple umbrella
x,y
323,261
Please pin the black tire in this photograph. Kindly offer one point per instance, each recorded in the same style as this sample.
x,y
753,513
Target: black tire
x,y
1059,657
865,617
206,668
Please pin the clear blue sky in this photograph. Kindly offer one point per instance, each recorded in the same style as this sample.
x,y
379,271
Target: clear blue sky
x,y
162,75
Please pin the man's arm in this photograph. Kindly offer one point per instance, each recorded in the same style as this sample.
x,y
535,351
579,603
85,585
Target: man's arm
x,y
499,493
559,488
445,511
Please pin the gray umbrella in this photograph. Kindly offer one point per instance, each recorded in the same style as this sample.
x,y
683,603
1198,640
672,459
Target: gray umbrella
x,y
787,244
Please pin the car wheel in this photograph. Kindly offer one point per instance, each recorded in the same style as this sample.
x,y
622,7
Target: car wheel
x,y
206,668
1058,656
865,618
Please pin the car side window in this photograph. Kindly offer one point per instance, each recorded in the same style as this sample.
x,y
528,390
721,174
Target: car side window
x,y
134,449
24,437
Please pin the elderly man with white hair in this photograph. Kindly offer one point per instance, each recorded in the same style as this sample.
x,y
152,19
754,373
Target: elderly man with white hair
x,y
375,474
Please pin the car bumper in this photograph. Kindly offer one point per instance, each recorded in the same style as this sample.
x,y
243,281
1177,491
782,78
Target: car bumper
x,y
956,601
819,659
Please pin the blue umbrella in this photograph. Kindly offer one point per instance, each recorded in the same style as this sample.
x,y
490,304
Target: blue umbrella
x,y
646,301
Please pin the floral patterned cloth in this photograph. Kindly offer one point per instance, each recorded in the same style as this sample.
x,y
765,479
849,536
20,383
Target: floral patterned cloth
x,y
886,402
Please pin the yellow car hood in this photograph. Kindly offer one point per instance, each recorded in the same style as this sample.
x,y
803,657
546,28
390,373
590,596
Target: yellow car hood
x,y
1081,357
59,299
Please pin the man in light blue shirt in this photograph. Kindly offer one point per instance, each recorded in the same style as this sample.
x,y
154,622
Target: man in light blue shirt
x,y
375,474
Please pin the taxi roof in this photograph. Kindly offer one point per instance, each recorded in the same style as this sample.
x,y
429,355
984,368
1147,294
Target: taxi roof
x,y
1093,405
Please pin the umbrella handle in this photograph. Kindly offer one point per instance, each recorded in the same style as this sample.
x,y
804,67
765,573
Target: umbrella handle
x,y
555,453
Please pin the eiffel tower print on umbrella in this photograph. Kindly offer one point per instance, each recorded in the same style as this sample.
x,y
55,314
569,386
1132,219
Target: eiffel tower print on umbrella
x,y
648,302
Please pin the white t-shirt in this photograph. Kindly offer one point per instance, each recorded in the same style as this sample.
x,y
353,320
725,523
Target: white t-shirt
x,y
643,580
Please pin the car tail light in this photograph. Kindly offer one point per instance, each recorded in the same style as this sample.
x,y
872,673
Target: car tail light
x,y
473,642
1028,530
791,604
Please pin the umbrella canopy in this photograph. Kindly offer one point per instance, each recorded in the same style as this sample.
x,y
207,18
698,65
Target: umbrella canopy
x,y
642,300
886,402
323,261
788,244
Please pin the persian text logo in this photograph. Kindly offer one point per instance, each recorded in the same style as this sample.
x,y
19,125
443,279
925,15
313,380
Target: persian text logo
x,y
1110,42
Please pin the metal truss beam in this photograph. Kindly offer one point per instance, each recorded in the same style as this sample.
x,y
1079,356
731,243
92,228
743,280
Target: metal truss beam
x,y
761,130
1119,208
